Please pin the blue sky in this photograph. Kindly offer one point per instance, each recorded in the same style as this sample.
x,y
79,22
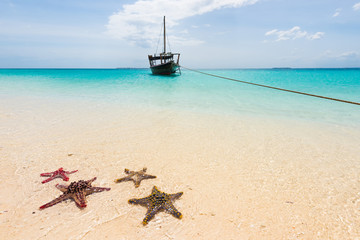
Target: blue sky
x,y
207,33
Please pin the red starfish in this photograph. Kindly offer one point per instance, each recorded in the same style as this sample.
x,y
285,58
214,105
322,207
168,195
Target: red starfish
x,y
58,173
77,191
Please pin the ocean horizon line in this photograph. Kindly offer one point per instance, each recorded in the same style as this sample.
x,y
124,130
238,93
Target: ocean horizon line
x,y
143,68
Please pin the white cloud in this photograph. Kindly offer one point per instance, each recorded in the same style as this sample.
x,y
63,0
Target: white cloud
x,y
293,33
356,6
350,55
337,12
139,22
317,35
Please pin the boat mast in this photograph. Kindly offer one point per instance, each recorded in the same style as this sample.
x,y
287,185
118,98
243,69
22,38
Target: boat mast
x,y
164,37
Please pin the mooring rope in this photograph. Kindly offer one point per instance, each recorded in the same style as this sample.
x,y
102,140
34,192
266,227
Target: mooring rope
x,y
275,88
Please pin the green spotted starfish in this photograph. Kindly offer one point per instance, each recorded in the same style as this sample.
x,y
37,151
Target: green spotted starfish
x,y
156,202
135,176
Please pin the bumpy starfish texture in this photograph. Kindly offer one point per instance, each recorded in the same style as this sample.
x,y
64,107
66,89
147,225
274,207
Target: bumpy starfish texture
x,y
156,202
58,173
134,176
77,191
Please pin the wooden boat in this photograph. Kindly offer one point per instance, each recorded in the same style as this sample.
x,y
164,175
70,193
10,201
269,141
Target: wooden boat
x,y
165,63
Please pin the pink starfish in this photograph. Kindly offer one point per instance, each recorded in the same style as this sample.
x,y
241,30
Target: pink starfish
x,y
58,173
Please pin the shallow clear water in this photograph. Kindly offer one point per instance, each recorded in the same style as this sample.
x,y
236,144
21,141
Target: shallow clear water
x,y
275,165
199,93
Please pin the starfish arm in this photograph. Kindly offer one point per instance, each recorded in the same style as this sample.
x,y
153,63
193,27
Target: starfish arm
x,y
136,182
64,177
55,201
152,210
91,180
169,207
127,171
62,188
142,201
155,190
49,179
138,178
80,199
96,189
49,174
67,172
175,195
123,179
148,176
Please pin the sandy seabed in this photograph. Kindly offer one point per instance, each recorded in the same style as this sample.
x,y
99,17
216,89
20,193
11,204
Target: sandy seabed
x,y
243,177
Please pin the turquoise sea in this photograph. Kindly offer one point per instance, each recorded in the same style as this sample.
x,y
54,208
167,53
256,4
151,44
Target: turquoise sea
x,y
199,93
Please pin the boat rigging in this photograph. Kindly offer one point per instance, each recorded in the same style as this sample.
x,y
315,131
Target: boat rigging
x,y
164,63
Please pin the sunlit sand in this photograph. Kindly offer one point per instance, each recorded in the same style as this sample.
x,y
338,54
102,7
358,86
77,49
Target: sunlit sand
x,y
242,177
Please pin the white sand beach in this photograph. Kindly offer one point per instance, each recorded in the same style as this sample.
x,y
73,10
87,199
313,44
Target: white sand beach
x,y
242,177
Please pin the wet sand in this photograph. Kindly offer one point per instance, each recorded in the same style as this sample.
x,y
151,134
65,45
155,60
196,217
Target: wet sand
x,y
243,177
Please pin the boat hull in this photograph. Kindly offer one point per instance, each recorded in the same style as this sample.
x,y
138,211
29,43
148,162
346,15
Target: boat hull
x,y
165,68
